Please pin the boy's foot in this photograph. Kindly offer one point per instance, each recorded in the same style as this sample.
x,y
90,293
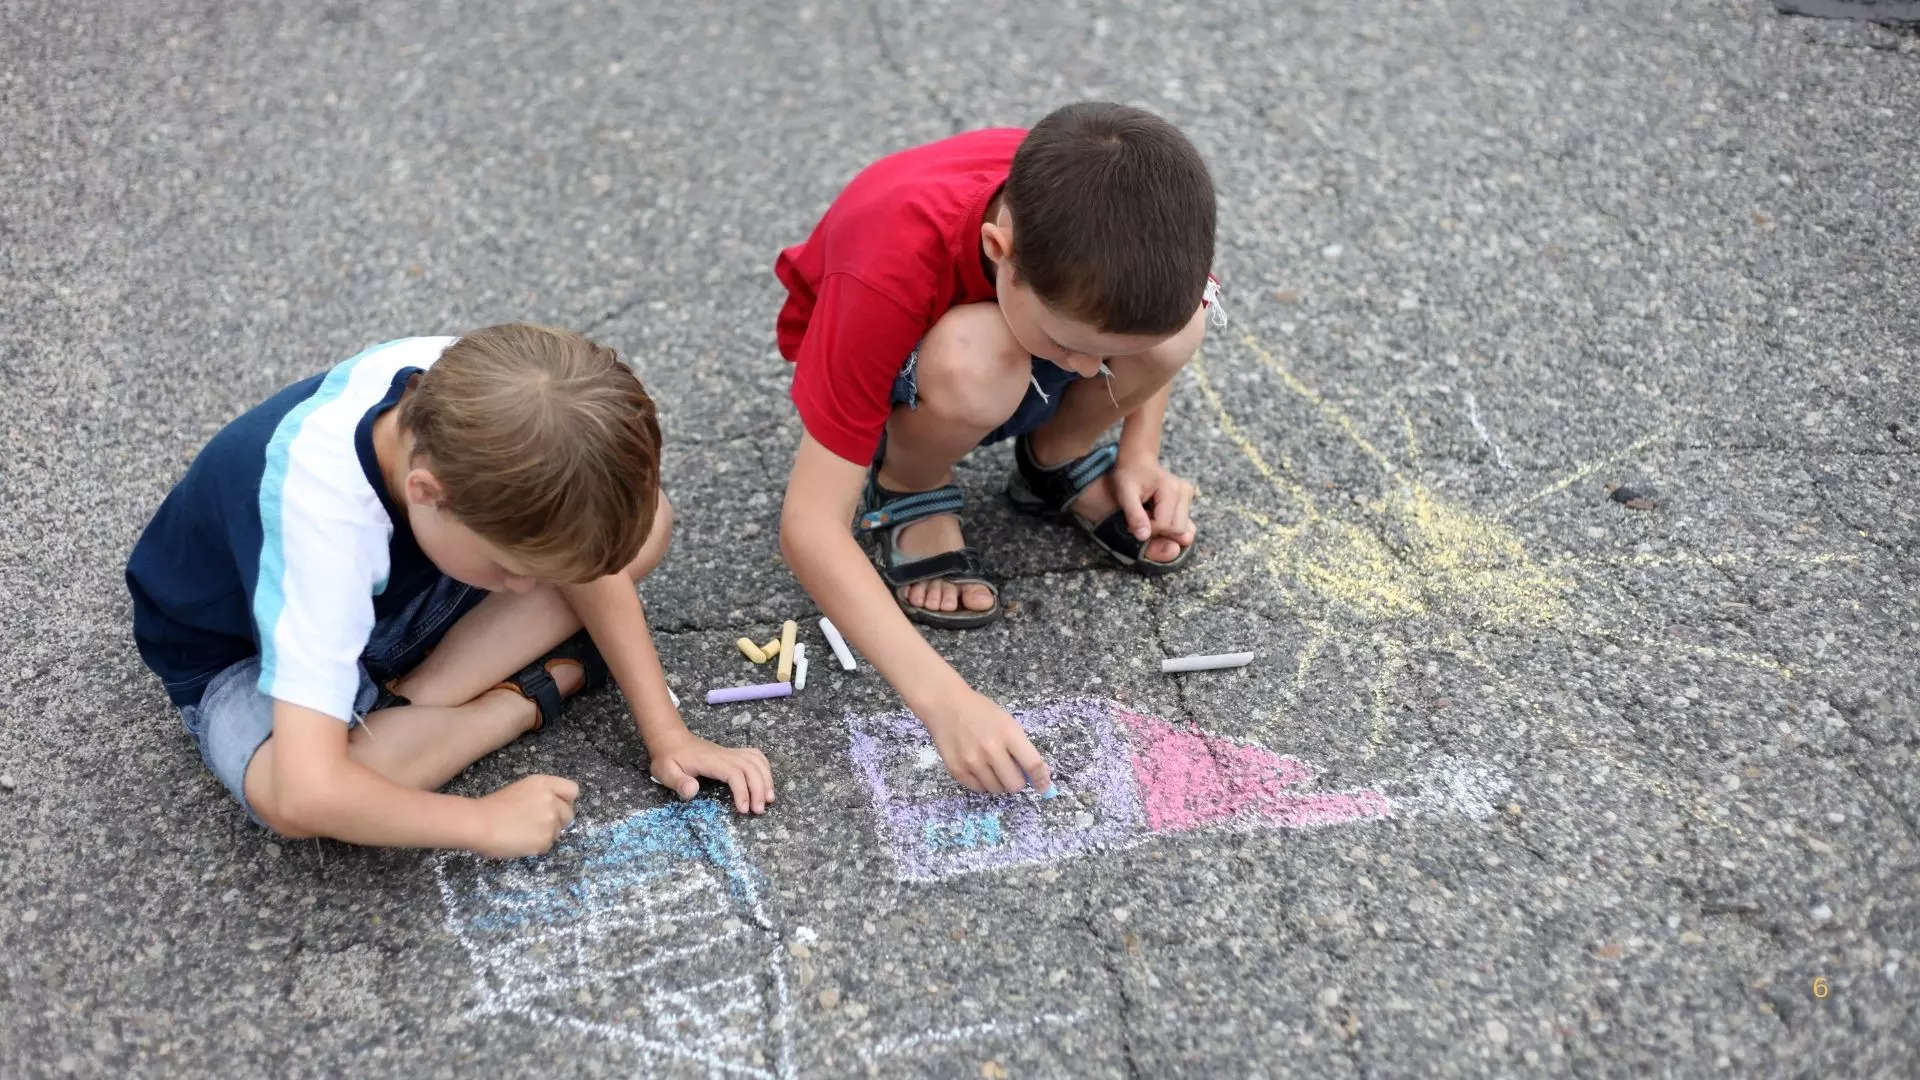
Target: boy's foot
x,y
1080,492
1098,501
934,536
938,580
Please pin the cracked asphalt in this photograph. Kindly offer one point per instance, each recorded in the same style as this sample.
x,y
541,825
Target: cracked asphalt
x,y
1654,805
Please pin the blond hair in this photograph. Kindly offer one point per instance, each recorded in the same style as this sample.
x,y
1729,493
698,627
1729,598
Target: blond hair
x,y
544,444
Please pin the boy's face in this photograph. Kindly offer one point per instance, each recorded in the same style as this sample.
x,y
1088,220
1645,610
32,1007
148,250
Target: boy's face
x,y
458,551
1042,331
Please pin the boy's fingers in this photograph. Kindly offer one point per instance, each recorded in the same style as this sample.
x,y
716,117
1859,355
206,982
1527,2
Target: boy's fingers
x,y
965,778
674,778
1138,519
1035,767
566,789
1007,777
1183,513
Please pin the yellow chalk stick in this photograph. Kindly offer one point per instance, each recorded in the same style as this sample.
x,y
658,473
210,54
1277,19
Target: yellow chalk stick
x,y
771,648
788,630
753,652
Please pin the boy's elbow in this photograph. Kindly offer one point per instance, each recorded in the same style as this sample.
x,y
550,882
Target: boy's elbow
x,y
794,532
294,811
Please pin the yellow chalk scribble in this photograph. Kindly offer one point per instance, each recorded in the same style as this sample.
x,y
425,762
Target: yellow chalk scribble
x,y
1404,570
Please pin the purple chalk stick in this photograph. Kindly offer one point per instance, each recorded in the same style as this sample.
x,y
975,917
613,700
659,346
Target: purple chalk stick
x,y
749,693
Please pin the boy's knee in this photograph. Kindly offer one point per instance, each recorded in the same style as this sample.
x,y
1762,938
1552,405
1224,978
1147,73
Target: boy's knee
x,y
659,536
971,369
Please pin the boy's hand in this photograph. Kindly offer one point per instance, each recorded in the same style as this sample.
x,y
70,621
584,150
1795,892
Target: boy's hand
x,y
984,748
526,816
1137,482
679,760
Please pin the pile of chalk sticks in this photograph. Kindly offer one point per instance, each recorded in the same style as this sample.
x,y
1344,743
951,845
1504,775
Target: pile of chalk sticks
x,y
790,658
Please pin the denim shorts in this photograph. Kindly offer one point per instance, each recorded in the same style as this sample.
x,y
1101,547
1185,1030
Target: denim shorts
x,y
233,718
1049,381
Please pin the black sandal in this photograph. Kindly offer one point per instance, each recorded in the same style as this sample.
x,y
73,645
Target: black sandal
x,y
535,681
1050,493
884,513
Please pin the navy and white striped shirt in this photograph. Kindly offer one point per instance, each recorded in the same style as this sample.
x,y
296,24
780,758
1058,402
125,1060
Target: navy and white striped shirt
x,y
282,540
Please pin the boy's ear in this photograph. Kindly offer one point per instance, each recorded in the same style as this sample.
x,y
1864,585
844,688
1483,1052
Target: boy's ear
x,y
996,238
423,488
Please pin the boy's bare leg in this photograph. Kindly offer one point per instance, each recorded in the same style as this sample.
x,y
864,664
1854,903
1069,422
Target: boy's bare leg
x,y
424,746
971,376
459,715
508,630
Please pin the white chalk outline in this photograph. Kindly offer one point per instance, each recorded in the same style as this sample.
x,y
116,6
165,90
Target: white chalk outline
x,y
519,984
1473,417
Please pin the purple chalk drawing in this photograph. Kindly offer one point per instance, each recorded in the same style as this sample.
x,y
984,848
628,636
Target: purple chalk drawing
x,y
1121,777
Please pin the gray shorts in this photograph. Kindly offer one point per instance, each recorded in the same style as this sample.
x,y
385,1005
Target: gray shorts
x,y
233,719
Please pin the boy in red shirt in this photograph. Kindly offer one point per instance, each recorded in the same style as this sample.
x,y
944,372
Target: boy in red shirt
x,y
1037,285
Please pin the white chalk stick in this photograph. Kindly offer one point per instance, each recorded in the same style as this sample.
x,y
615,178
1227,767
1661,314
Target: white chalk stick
x,y
799,668
1206,663
673,697
838,643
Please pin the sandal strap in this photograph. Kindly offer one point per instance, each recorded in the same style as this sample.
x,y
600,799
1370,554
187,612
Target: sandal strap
x,y
885,508
1113,534
536,685
964,566
1063,483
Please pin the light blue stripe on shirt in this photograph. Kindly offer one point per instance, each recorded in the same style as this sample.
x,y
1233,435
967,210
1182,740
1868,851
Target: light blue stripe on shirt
x,y
268,598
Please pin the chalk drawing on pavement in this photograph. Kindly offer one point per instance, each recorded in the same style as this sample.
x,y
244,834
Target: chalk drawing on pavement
x,y
648,932
1122,778
1404,570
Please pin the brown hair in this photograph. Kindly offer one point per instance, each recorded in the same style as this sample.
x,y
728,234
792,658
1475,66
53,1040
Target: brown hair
x,y
544,443
1113,218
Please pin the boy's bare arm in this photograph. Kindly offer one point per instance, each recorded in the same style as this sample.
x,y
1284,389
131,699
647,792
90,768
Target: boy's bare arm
x,y
316,789
610,610
983,748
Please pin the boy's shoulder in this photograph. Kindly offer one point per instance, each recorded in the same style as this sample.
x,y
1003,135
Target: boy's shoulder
x,y
309,427
930,174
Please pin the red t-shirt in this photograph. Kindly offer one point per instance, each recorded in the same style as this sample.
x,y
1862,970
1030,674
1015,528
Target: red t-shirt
x,y
898,248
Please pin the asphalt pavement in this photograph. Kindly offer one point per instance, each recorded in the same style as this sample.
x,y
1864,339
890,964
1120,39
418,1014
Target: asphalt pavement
x,y
1533,774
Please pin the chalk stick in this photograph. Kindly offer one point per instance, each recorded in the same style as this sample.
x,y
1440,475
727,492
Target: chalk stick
x,y
673,697
1206,663
839,643
751,651
787,631
799,668
771,648
749,693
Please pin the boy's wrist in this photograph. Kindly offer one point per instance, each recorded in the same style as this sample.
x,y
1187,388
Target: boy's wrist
x,y
935,694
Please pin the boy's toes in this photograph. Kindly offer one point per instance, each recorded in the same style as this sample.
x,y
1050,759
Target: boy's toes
x,y
1161,549
946,597
976,597
915,594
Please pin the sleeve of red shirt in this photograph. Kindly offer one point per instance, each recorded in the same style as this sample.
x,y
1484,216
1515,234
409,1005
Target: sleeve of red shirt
x,y
856,343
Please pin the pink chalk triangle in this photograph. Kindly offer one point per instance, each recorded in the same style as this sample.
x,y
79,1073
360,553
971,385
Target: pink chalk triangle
x,y
1191,779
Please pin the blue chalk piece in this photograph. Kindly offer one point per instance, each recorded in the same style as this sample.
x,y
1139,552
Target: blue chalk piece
x,y
1052,792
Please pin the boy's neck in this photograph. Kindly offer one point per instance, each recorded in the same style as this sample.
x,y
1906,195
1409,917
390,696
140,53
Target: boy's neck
x,y
393,451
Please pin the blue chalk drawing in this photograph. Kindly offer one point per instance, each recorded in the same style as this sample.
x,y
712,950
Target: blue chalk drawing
x,y
649,931
970,831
